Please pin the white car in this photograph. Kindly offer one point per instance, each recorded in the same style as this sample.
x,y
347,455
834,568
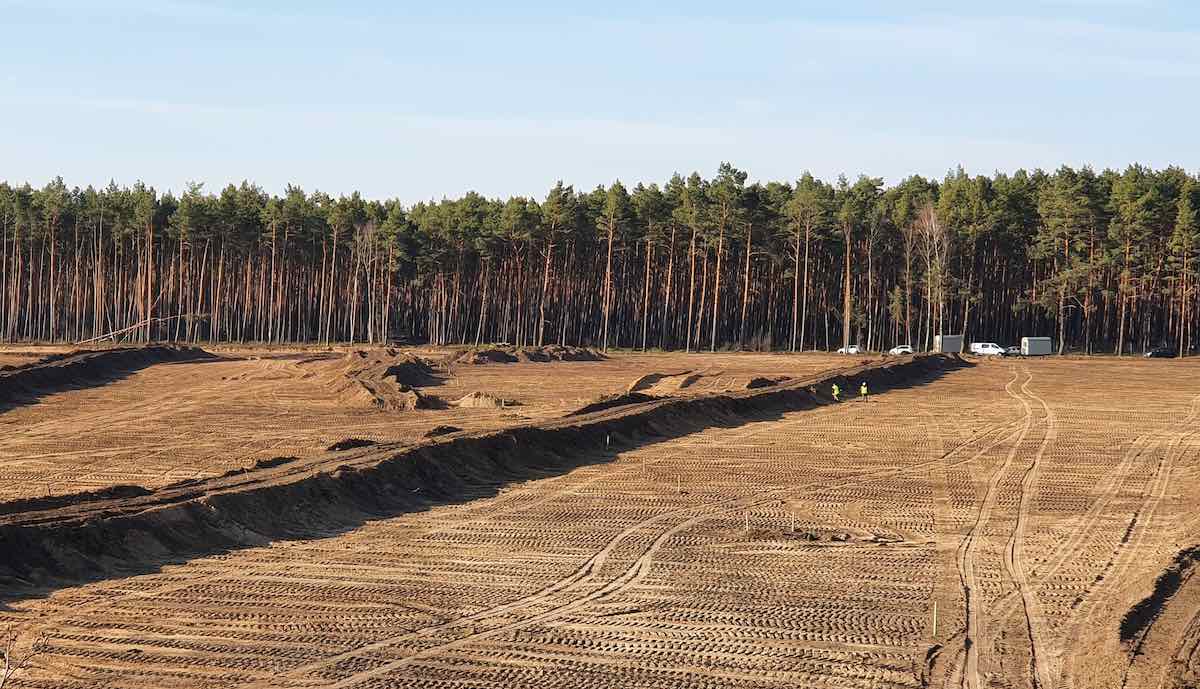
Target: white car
x,y
987,349
852,349
900,350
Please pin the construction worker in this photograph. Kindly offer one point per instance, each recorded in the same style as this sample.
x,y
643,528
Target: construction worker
x,y
837,393
862,391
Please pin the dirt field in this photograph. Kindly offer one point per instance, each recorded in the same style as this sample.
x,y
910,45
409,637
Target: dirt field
x,y
192,419
991,526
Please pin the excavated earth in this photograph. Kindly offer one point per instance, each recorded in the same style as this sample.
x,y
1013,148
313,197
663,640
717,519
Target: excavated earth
x,y
637,521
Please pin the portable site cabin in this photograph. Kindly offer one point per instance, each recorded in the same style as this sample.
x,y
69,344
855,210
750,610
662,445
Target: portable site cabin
x,y
948,344
1036,346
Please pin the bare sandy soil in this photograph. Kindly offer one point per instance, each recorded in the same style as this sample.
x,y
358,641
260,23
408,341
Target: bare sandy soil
x,y
992,527
187,420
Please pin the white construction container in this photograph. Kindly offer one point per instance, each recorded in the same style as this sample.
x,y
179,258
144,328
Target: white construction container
x,y
948,344
1036,346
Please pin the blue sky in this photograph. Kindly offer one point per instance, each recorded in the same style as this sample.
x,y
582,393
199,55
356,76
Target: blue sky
x,y
420,101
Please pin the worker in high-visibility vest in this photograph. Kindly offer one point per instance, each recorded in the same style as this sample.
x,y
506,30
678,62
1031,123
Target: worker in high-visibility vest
x,y
837,393
862,391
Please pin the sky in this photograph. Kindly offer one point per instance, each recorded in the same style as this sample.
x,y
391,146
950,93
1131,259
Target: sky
x,y
427,100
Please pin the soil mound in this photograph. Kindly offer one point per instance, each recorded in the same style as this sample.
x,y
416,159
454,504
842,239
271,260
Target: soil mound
x,y
86,368
650,379
509,355
482,400
383,378
485,356
548,353
673,384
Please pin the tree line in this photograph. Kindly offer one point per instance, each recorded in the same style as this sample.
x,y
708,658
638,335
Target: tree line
x,y
1100,261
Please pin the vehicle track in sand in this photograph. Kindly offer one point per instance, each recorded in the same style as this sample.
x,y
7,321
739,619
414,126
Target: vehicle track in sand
x,y
1082,615
1040,673
1056,647
585,583
1142,446
986,621
1143,539
968,548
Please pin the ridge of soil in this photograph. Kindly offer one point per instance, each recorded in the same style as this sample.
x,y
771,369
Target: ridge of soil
x,y
610,401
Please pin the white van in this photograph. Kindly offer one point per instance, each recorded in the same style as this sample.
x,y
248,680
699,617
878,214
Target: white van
x,y
987,349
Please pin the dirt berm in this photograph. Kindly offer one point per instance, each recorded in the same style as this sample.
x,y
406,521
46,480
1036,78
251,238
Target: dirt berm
x,y
86,368
331,493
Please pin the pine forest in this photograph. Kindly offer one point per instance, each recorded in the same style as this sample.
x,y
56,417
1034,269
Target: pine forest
x,y
1102,262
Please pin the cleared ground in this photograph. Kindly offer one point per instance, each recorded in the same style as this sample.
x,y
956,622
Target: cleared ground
x,y
990,528
185,420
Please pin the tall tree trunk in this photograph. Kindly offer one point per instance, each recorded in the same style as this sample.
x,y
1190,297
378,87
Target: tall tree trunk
x,y
646,294
746,286
545,287
667,300
1123,293
846,290
717,289
608,283
796,287
691,288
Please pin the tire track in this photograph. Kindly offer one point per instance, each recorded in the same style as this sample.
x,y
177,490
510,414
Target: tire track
x,y
1109,491
1139,530
584,577
1041,674
968,548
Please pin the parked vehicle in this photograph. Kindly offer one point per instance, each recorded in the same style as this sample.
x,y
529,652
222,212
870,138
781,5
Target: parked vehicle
x,y
900,350
1160,353
987,349
852,349
1012,351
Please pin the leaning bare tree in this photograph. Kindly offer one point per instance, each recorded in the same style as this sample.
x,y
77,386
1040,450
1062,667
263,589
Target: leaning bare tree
x,y
16,659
